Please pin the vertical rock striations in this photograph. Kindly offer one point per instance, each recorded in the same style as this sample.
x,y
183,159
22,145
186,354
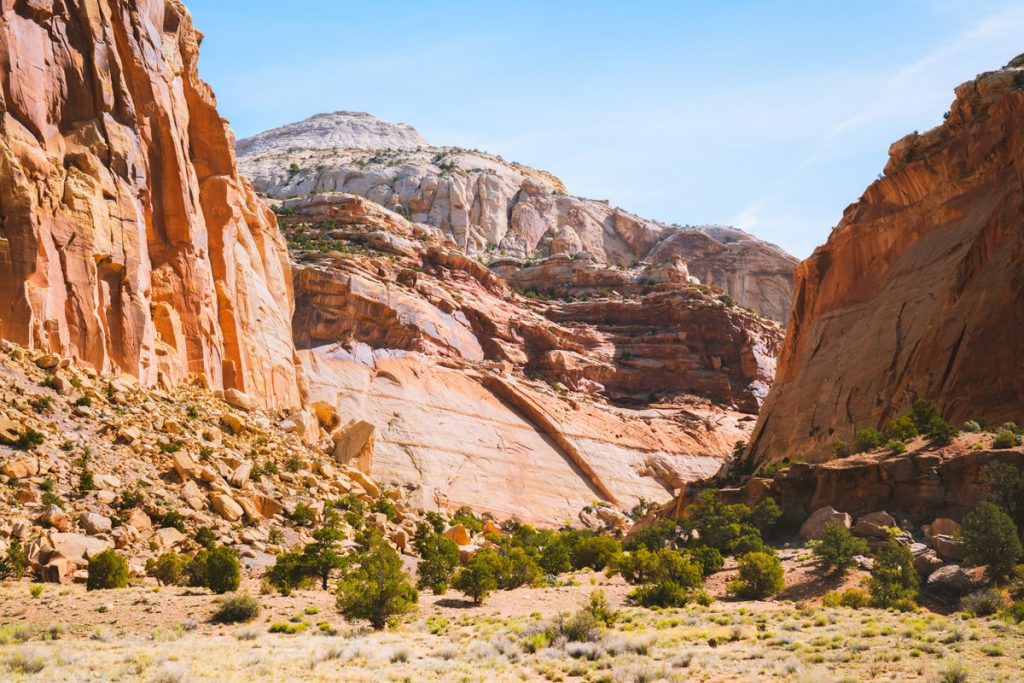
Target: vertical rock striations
x,y
127,237
918,291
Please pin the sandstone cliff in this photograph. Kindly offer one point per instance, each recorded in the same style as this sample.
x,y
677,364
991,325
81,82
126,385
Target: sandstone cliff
x,y
127,238
488,205
519,406
917,292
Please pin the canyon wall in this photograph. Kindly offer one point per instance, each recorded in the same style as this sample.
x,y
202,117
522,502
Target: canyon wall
x,y
918,290
127,238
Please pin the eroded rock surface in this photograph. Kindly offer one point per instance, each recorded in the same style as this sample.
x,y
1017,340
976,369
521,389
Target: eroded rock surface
x,y
487,205
917,292
127,238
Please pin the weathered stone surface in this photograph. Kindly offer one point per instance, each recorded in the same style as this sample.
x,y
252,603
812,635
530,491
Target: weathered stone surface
x,y
814,527
953,580
485,204
353,445
875,525
168,537
226,507
130,240
94,523
76,548
948,547
459,534
21,469
138,519
10,431
53,517
916,293
942,525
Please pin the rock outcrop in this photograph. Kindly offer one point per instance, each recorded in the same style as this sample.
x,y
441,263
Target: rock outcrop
x,y
917,292
127,238
519,406
487,205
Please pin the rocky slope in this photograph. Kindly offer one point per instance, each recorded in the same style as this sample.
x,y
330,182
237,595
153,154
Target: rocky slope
x,y
488,205
127,238
515,405
916,293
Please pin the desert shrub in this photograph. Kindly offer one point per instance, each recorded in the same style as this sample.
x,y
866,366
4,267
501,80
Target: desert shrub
x,y
595,552
556,557
635,567
14,562
167,569
922,413
660,594
514,567
579,627
982,603
206,538
868,440
222,570
467,518
303,515
766,515
375,587
854,598
760,575
1014,612
288,573
896,446
658,534
1006,439
730,529
840,449
238,609
385,506
323,556
477,579
29,439
707,558
439,556
902,428
834,553
107,570
991,538
1006,489
971,426
86,482
894,582
600,609
173,519
955,672
436,520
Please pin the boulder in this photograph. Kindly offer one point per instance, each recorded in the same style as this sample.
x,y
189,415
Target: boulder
x,y
353,444
238,399
948,547
459,534
926,562
400,538
232,422
364,480
76,548
138,520
57,570
129,434
875,525
814,527
249,508
240,476
48,361
185,466
267,506
226,507
943,526
21,469
52,516
94,523
326,415
168,537
954,581
491,528
10,431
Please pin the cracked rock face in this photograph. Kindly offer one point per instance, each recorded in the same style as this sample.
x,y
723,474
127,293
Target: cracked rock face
x,y
127,238
917,292
487,205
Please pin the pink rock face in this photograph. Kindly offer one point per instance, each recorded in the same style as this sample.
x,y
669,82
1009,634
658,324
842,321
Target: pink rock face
x,y
127,238
917,292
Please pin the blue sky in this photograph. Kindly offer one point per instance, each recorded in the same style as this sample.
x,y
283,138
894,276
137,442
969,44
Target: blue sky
x,y
768,116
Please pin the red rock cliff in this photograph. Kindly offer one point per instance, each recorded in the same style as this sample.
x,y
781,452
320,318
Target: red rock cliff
x,y
127,237
918,291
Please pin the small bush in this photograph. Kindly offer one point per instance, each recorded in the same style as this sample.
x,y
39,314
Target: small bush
x,y
834,553
595,552
982,603
597,605
579,627
894,581
660,594
971,426
1006,439
173,519
658,534
223,572
854,598
14,563
206,538
556,558
239,609
107,570
167,569
955,673
439,556
896,446
477,579
29,439
1014,613
868,440
375,587
303,515
991,538
760,576
902,428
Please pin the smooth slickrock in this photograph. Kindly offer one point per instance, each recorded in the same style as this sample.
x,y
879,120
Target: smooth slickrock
x,y
128,239
487,205
917,292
